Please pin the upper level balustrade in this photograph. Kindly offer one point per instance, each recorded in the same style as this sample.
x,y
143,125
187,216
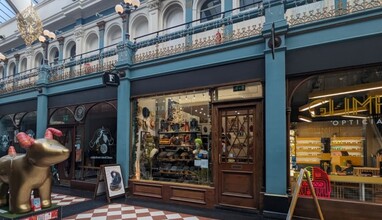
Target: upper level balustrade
x,y
298,12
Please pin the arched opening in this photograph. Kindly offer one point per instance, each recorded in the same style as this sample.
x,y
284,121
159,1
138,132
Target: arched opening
x,y
91,42
140,27
23,65
210,10
54,55
114,35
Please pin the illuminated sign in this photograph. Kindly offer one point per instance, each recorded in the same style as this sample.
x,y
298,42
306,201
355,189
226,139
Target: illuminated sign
x,y
348,106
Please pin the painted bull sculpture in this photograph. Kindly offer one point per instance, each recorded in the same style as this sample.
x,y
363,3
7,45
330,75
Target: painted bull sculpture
x,y
22,173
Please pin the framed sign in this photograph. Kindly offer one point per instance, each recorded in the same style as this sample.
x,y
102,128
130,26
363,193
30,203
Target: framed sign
x,y
110,79
110,180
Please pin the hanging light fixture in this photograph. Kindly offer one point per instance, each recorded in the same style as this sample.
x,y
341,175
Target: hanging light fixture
x,y
29,24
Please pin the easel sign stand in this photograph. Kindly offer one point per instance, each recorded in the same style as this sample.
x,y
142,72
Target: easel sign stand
x,y
110,180
296,192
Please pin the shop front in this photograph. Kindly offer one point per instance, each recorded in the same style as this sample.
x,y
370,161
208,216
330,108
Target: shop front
x,y
201,144
336,125
199,147
89,126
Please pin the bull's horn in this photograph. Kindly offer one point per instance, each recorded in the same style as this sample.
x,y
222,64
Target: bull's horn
x,y
25,140
52,131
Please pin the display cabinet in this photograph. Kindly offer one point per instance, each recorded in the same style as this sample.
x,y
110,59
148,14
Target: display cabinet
x,y
308,150
178,157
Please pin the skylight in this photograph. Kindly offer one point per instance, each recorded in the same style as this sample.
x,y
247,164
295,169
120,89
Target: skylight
x,y
7,10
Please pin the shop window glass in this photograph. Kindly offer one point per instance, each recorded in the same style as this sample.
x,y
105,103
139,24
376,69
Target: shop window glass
x,y
99,138
210,10
28,124
336,125
62,116
6,134
172,138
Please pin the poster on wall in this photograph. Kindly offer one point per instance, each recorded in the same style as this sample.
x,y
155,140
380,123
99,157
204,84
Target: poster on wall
x,y
101,144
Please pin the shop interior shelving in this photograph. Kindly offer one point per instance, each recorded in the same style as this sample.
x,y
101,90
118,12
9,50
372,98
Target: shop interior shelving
x,y
308,150
352,145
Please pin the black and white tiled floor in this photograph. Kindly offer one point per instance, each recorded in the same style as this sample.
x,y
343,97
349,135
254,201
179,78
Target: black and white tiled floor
x,y
123,211
118,211
78,204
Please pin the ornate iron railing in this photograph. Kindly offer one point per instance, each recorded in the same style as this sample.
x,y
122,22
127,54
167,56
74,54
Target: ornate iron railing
x,y
327,9
23,80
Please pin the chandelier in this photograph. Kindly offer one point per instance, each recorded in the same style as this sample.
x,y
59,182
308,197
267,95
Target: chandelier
x,y
29,25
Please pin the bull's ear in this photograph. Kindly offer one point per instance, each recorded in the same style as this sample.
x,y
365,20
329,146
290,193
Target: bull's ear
x,y
25,140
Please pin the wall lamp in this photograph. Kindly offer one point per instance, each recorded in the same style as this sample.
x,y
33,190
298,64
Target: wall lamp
x,y
2,57
124,9
45,38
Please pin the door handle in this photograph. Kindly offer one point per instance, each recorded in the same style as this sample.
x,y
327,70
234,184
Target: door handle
x,y
220,158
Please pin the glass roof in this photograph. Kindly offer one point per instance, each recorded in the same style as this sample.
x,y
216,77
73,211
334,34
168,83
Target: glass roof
x,y
7,12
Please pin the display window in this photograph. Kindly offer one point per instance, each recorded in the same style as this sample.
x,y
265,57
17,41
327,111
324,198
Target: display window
x,y
336,126
172,140
89,130
6,134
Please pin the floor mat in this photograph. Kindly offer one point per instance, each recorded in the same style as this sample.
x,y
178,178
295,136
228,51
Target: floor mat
x,y
123,211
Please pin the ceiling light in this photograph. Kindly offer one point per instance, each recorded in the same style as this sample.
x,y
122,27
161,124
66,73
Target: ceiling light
x,y
312,105
303,118
355,116
346,90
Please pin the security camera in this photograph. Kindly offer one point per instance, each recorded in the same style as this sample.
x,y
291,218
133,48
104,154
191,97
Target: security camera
x,y
2,37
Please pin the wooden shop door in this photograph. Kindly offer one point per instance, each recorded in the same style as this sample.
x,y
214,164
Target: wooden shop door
x,y
238,144
66,168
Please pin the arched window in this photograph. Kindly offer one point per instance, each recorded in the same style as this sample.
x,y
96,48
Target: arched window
x,y
12,69
174,17
92,42
54,54
39,59
210,10
247,4
23,65
114,35
140,27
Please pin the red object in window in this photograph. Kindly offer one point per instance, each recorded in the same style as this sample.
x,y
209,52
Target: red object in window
x,y
320,182
218,37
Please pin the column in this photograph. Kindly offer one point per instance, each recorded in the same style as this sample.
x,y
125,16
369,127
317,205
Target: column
x,y
78,33
153,15
189,18
61,41
123,127
101,32
276,169
125,57
228,5
5,68
17,57
29,53
17,63
42,112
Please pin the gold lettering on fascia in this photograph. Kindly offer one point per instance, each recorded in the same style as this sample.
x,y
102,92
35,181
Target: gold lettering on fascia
x,y
351,106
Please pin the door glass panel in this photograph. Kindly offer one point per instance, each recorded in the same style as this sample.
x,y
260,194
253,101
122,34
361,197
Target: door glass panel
x,y
237,135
